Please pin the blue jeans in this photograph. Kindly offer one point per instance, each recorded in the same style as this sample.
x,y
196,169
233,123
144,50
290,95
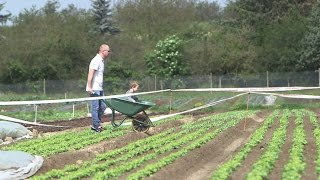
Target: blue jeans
x,y
97,109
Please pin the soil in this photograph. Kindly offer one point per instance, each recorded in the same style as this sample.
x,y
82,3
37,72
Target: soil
x,y
199,163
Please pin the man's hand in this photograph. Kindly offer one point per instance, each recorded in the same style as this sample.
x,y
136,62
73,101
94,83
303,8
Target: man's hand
x,y
90,92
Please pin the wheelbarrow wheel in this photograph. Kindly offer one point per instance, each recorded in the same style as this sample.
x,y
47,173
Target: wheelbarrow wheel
x,y
140,123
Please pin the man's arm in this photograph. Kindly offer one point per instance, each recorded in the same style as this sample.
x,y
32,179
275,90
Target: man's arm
x,y
90,77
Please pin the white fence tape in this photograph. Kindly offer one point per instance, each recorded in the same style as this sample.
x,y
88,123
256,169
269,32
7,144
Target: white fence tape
x,y
293,96
11,103
262,89
193,109
245,90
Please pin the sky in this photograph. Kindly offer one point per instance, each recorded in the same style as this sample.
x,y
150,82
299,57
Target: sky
x,y
17,6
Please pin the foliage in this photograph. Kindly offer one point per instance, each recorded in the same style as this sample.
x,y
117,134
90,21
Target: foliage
x,y
280,47
245,37
166,60
102,16
276,26
50,45
156,19
3,20
219,48
309,54
114,75
3,17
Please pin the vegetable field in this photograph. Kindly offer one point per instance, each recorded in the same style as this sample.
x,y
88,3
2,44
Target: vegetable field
x,y
243,144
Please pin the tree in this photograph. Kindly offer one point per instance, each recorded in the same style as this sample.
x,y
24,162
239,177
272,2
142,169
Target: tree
x,y
166,60
310,53
259,12
152,20
3,20
219,48
208,11
102,16
276,27
52,45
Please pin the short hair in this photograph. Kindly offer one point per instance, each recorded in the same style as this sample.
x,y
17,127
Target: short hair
x,y
102,47
133,84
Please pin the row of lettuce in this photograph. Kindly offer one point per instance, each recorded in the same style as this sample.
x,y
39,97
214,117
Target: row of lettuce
x,y
145,157
166,147
295,165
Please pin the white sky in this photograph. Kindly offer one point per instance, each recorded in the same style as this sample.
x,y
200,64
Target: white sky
x,y
17,6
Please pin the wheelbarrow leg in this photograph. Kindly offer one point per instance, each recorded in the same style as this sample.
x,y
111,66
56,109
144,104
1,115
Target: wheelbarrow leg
x,y
113,119
148,119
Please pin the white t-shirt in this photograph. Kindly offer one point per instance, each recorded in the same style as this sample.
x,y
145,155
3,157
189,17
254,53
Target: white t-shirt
x,y
97,64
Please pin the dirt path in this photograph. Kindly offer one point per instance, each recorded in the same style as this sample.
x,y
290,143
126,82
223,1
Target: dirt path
x,y
200,163
60,160
283,158
254,155
310,152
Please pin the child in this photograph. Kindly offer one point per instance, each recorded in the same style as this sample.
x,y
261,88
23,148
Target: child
x,y
133,88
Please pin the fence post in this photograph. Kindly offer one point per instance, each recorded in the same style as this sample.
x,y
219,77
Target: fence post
x,y
211,82
44,86
319,75
267,78
155,82
220,79
35,107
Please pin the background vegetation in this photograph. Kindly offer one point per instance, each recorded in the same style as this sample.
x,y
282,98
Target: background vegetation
x,y
245,37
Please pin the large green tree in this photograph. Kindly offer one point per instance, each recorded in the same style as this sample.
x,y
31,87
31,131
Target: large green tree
x,y
310,50
276,27
102,16
46,43
166,60
152,20
3,19
219,48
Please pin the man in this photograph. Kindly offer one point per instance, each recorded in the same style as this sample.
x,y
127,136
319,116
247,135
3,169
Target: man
x,y
95,86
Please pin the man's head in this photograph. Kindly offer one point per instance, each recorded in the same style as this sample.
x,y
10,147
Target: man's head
x,y
104,50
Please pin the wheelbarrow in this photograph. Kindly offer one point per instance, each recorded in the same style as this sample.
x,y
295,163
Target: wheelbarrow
x,y
132,110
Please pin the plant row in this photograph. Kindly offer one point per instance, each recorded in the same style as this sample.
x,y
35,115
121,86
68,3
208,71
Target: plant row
x,y
171,144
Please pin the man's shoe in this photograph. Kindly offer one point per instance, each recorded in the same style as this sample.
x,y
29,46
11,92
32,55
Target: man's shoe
x,y
96,130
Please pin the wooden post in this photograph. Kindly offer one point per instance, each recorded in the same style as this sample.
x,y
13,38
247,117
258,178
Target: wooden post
x,y
267,78
245,119
35,112
88,110
170,102
155,82
73,108
44,86
319,75
211,82
220,79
